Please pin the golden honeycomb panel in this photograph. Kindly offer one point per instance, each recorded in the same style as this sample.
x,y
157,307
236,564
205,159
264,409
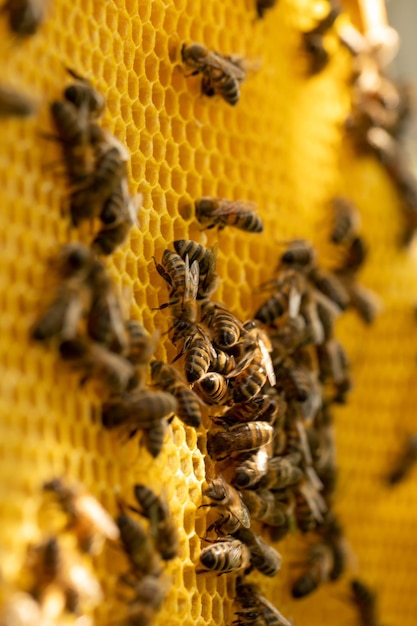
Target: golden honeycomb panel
x,y
283,147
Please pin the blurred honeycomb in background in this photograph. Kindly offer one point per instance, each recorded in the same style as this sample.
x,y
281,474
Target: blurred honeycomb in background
x,y
283,147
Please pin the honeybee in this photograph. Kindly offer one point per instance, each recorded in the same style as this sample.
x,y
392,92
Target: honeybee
x,y
330,286
168,379
313,39
239,438
222,362
116,372
252,469
298,383
60,583
309,506
233,512
141,344
264,5
366,602
290,288
405,461
257,607
365,302
105,322
212,388
265,506
222,75
138,546
225,327
266,408
320,564
138,410
61,318
119,215
87,519
83,95
219,212
259,368
154,438
299,254
282,471
198,355
332,533
224,556
25,16
206,259
149,591
263,557
184,280
15,103
163,529
347,220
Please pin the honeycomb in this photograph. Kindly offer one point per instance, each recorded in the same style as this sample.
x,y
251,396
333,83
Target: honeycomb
x,y
283,147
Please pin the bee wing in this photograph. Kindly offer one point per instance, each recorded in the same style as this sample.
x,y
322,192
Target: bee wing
x,y
243,514
230,207
231,65
116,319
282,621
267,363
90,508
315,500
192,276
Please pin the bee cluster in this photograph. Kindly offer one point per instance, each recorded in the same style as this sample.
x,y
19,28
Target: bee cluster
x,y
270,383
57,577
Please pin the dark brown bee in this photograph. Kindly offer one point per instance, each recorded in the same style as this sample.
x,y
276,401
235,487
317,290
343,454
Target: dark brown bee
x,y
225,327
222,75
365,302
222,362
282,471
25,16
63,314
116,373
233,512
206,258
184,280
239,438
405,461
309,506
290,288
347,220
320,564
149,591
60,580
264,5
256,607
195,252
224,556
248,384
15,103
299,254
332,533
264,408
163,529
313,39
218,212
263,557
138,410
138,546
331,287
366,602
198,355
83,95
168,379
119,214
249,472
154,438
61,318
298,383
87,519
212,388
141,344
265,506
